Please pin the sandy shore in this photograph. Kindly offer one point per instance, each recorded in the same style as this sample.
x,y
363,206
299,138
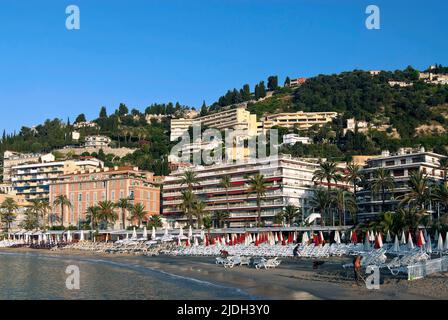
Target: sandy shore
x,y
293,279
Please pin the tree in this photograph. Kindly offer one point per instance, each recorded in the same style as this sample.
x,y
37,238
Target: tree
x,y
103,113
155,221
441,195
107,212
122,110
189,179
8,208
262,89
353,176
207,222
327,171
272,83
81,118
31,221
320,201
93,216
290,213
344,201
245,93
138,213
382,181
220,217
226,183
257,185
204,109
199,211
188,200
287,82
62,201
124,204
419,191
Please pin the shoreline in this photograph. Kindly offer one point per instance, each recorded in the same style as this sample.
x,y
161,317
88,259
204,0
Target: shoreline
x,y
294,279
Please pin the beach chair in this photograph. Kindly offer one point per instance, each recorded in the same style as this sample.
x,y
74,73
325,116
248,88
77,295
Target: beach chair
x,y
269,263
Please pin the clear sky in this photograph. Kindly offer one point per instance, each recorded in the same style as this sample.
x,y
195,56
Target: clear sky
x,y
144,51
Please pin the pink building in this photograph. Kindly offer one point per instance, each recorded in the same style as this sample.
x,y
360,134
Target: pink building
x,y
87,188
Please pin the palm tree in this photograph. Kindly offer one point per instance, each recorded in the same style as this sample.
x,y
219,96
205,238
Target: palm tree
x,y
257,185
155,221
93,214
386,221
138,213
441,195
353,175
411,217
320,201
124,204
381,182
220,217
8,213
107,212
290,213
327,171
198,211
189,179
62,201
45,207
188,200
443,164
419,191
226,183
343,201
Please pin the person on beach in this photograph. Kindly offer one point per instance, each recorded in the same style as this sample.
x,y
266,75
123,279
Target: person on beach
x,y
357,268
296,250
224,254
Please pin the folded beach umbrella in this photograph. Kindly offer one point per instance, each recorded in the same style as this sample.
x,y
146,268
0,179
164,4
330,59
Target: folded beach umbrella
x,y
134,234
396,246
227,238
153,233
403,238
190,232
337,238
166,232
187,243
69,236
410,242
388,237
202,234
295,236
305,238
429,245
81,238
367,236
290,238
145,233
425,234
181,232
127,236
436,236
196,243
321,237
440,243
420,239
445,244
366,244
354,237
372,236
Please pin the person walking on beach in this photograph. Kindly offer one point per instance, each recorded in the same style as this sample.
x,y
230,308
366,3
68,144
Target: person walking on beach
x,y
295,251
357,268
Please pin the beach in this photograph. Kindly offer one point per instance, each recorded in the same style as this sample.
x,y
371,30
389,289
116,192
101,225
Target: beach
x,y
294,279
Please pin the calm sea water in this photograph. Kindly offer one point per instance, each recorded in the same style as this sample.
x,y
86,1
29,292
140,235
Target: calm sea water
x,y
40,276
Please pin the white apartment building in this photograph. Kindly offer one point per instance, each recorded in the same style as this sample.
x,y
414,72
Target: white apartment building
x,y
293,138
179,126
86,124
33,180
289,182
299,120
401,165
97,141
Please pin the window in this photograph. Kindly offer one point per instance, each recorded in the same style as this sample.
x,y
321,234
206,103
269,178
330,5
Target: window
x,y
403,161
103,196
79,196
113,195
399,173
390,163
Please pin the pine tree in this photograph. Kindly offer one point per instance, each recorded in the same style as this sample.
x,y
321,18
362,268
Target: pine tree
x,y
245,93
287,82
262,89
203,109
103,113
257,92
272,83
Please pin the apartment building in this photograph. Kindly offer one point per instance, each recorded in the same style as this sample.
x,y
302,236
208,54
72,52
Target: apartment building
x,y
97,141
86,124
237,118
11,159
87,188
179,126
293,138
289,182
299,120
296,82
401,165
33,180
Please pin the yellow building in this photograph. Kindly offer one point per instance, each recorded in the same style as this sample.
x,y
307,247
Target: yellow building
x,y
299,120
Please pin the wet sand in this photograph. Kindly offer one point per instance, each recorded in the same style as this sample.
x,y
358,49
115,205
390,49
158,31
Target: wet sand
x,y
294,279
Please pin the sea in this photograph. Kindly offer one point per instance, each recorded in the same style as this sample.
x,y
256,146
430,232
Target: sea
x,y
36,275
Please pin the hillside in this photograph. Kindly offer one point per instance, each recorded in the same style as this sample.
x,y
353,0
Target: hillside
x,y
411,115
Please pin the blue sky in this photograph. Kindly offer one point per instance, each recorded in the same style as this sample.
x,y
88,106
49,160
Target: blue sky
x,y
144,51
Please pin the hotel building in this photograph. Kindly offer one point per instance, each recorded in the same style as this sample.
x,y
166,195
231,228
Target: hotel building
x,y
289,182
178,127
87,188
33,180
300,120
401,165
11,159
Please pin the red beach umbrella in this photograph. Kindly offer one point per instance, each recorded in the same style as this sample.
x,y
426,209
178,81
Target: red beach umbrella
x,y
377,242
290,238
187,243
354,237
